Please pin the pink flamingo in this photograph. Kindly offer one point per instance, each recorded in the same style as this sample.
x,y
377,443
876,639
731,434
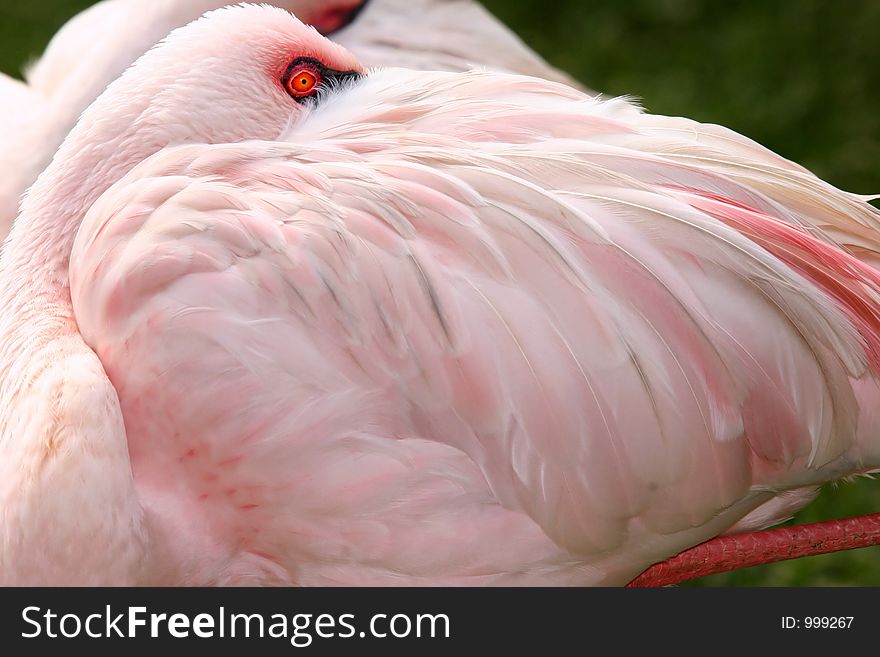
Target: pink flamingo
x,y
266,319
438,35
97,45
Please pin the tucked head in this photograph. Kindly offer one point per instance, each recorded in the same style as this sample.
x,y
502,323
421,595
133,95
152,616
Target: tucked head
x,y
260,63
237,73
91,51
241,73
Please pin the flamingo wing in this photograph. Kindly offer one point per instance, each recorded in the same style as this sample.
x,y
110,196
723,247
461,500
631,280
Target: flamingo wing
x,y
400,333
801,198
442,36
79,40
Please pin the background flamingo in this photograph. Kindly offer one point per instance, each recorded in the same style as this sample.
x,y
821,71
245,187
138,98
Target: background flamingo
x,y
672,261
94,47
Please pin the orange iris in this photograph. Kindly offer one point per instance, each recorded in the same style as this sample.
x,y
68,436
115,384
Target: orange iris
x,y
303,83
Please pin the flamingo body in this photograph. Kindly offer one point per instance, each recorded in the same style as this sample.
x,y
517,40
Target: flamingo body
x,y
445,329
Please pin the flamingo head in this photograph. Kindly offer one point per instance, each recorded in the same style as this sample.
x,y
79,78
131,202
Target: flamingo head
x,y
238,73
247,72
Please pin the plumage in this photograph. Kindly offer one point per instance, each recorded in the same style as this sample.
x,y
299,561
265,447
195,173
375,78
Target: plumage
x,y
434,328
447,35
77,65
14,95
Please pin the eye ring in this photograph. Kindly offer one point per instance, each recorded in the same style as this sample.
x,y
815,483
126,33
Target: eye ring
x,y
303,82
305,77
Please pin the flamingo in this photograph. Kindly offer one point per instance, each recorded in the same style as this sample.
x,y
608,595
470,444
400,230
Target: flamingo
x,y
440,35
77,66
267,318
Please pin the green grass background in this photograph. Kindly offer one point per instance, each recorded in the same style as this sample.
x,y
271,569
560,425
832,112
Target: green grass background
x,y
800,76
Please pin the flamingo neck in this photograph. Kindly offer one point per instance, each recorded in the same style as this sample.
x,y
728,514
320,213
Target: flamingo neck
x,y
35,305
35,256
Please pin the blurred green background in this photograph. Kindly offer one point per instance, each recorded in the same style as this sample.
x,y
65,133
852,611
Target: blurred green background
x,y
802,77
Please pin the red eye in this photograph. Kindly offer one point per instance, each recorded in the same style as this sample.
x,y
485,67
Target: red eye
x,y
303,82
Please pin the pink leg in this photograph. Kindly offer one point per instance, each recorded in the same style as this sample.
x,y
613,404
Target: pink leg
x,y
756,548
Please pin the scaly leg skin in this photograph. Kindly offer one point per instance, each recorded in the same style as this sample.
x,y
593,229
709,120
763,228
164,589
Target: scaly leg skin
x,y
726,553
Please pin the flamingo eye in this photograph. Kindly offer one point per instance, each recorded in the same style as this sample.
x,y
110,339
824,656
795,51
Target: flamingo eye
x,y
305,76
302,83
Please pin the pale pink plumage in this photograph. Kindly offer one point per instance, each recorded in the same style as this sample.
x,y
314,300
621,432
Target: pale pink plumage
x,y
97,45
447,328
441,35
88,52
